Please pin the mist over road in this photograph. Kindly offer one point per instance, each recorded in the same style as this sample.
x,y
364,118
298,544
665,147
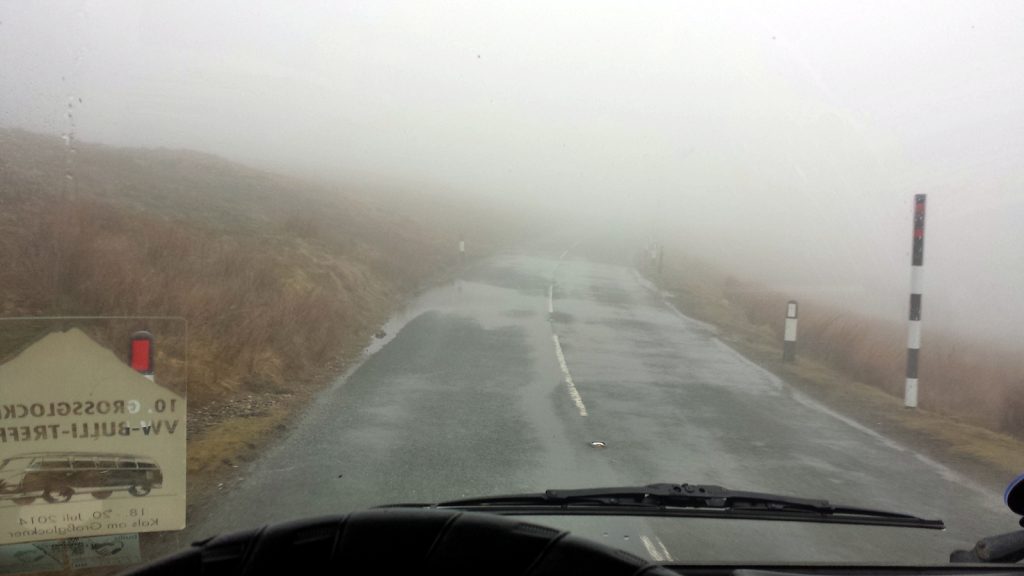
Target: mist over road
x,y
501,381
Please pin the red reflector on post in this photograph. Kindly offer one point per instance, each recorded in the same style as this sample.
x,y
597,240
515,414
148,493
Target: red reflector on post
x,y
141,352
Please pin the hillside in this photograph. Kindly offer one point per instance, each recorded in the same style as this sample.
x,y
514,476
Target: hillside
x,y
280,280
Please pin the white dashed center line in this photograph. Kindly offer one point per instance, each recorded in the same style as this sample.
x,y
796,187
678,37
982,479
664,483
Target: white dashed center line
x,y
573,392
656,548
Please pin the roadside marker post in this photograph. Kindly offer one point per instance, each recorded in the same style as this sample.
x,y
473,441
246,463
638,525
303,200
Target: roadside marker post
x,y
789,338
916,286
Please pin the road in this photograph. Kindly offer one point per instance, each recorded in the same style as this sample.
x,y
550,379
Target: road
x,y
501,382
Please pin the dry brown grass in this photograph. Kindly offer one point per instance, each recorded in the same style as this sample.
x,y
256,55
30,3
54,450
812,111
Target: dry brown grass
x,y
968,380
962,437
261,312
277,278
282,282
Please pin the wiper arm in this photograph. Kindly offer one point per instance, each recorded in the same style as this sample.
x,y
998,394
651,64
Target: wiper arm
x,y
686,496
685,500
1006,548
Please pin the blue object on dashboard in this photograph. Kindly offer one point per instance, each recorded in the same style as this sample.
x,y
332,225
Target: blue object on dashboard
x,y
1014,495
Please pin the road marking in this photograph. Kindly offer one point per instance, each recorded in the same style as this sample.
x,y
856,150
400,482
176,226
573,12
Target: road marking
x,y
573,392
561,257
664,550
656,548
655,554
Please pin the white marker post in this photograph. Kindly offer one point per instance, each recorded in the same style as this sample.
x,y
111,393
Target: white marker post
x,y
462,250
916,285
789,338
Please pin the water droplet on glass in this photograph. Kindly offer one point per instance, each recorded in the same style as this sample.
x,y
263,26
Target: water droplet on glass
x,y
626,537
68,176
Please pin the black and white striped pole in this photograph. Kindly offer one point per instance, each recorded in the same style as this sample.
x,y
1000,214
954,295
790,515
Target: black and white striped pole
x,y
916,284
789,337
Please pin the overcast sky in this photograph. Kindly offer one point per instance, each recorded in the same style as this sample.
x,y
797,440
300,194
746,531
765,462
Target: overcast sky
x,y
783,141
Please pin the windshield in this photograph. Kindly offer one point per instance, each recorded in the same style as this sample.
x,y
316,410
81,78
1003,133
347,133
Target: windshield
x,y
272,260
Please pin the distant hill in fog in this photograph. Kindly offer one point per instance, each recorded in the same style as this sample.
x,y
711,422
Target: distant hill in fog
x,y
277,277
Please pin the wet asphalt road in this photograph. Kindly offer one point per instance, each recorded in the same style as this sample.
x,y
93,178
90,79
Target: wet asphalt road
x,y
466,396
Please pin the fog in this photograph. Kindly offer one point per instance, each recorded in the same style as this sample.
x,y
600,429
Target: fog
x,y
783,142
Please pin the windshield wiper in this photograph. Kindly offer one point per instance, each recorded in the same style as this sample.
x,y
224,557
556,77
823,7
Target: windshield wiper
x,y
682,500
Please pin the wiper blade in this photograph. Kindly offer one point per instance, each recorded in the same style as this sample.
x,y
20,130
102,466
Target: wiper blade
x,y
684,500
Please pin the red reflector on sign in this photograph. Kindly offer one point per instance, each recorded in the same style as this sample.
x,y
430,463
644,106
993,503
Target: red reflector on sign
x,y
140,360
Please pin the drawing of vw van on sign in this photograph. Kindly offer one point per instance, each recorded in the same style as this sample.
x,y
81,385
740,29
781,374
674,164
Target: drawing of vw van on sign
x,y
57,476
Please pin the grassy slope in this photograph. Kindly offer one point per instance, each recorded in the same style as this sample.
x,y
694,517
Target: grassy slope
x,y
750,320
281,281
